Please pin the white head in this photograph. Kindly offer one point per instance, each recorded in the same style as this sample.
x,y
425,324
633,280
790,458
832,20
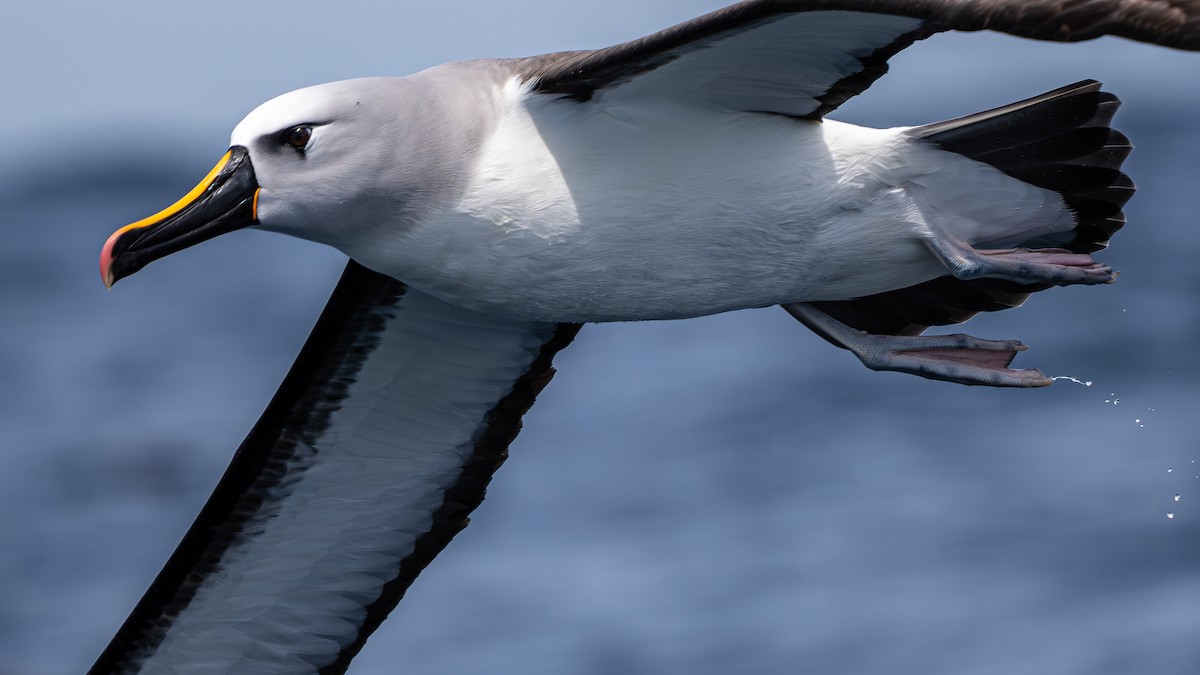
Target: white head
x,y
338,159
339,163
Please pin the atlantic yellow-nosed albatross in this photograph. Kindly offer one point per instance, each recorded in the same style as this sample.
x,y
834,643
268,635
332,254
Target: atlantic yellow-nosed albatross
x,y
491,207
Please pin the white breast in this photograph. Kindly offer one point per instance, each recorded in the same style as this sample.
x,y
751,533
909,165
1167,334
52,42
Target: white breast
x,y
578,213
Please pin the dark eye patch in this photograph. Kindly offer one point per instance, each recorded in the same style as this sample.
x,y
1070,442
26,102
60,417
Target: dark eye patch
x,y
297,136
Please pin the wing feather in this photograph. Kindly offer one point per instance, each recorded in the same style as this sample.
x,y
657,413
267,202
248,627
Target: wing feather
x,y
806,57
380,442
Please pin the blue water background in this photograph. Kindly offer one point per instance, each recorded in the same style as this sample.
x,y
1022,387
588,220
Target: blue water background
x,y
720,495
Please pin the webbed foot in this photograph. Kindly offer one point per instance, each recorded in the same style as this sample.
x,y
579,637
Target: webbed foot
x,y
954,358
1026,266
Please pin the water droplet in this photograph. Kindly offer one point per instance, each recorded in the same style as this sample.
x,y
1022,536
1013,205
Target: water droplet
x,y
1076,380
1170,515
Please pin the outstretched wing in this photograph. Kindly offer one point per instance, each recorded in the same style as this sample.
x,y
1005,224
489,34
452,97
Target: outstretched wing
x,y
803,58
368,460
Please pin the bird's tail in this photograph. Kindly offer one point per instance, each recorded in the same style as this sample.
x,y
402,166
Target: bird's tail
x,y
1060,141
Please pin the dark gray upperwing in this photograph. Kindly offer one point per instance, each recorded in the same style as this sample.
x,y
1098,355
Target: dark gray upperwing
x,y
368,460
804,58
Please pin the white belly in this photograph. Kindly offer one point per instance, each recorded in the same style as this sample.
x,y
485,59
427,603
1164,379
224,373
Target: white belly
x,y
575,214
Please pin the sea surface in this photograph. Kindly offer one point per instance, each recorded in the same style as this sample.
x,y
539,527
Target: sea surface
x,y
721,495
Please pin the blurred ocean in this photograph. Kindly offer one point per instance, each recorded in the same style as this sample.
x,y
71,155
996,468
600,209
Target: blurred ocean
x,y
719,495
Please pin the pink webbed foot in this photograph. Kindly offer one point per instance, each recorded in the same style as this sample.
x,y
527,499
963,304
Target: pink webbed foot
x,y
953,358
1026,266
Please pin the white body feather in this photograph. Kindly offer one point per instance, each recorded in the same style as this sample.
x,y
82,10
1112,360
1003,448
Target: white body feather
x,y
585,213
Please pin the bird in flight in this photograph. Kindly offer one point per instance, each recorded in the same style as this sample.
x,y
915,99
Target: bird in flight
x,y
490,208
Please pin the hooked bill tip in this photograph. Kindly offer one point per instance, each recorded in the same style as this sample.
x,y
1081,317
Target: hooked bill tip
x,y
106,261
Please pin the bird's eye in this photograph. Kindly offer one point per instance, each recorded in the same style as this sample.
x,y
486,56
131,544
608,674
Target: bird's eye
x,y
298,136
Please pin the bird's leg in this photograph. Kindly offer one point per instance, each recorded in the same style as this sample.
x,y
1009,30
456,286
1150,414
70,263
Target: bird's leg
x,y
1025,266
953,358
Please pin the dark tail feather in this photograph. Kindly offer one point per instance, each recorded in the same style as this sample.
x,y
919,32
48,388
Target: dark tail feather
x,y
1059,141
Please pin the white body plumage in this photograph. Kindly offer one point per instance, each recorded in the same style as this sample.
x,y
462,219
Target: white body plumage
x,y
597,213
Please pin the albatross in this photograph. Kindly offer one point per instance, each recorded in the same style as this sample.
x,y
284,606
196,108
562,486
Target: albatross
x,y
490,208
